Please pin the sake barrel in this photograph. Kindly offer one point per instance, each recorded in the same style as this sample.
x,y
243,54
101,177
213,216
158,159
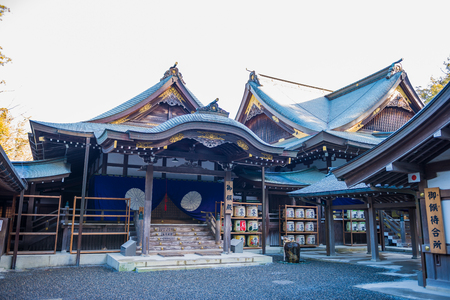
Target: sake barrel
x,y
361,226
291,238
309,213
300,239
289,212
360,214
221,226
240,225
240,237
239,211
253,241
299,213
290,226
252,226
299,226
310,239
309,226
353,214
252,211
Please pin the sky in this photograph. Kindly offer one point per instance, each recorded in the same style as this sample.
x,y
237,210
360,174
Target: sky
x,y
73,60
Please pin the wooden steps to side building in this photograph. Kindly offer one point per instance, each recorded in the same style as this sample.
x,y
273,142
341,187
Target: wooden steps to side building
x,y
182,239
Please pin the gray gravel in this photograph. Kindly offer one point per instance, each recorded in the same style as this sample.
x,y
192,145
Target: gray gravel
x,y
308,280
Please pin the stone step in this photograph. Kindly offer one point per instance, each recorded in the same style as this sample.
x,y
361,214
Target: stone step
x,y
180,233
182,242
187,261
194,267
182,238
182,247
181,229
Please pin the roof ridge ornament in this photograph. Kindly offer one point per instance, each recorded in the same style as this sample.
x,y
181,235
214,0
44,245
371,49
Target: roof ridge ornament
x,y
395,67
173,71
253,77
213,108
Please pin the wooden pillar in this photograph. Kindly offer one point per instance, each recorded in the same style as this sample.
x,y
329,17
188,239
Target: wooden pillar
x,y
368,239
83,200
382,239
329,229
16,239
373,230
147,208
265,213
412,228
30,209
226,217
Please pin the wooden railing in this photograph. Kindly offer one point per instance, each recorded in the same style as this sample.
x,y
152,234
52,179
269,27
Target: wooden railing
x,y
102,215
213,224
54,216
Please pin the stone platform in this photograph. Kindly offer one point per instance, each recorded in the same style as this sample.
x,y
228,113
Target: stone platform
x,y
184,262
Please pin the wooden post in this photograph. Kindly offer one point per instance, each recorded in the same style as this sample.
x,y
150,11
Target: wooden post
x,y
66,230
265,213
83,199
412,228
226,217
373,231
382,240
147,208
329,229
368,238
16,239
30,210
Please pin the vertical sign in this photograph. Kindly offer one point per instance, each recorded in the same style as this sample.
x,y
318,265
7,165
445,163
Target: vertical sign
x,y
435,221
229,197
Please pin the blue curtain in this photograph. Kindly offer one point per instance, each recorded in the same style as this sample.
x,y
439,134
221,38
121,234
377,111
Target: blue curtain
x,y
117,187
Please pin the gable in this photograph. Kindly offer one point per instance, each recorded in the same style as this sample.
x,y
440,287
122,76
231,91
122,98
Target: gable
x,y
169,104
389,116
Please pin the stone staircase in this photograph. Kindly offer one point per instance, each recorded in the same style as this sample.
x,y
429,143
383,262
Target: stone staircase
x,y
394,229
177,239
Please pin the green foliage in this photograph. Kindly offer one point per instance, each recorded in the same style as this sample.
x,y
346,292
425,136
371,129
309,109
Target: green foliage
x,y
435,85
3,58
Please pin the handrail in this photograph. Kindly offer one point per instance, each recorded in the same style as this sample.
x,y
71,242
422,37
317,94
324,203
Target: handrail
x,y
213,224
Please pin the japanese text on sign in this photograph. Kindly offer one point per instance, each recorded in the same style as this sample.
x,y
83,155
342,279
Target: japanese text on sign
x,y
434,220
228,197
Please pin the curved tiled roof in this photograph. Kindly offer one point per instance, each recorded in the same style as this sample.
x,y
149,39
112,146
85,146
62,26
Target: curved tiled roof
x,y
304,177
134,101
98,129
42,168
322,113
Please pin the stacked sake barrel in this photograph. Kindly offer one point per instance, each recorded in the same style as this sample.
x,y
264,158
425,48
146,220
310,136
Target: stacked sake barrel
x,y
246,226
299,220
355,223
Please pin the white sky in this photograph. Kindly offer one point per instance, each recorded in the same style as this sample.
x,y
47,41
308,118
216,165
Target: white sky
x,y
73,60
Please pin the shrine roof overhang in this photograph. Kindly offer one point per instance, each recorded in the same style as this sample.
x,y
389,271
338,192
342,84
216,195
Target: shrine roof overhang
x,y
11,182
340,110
215,128
300,178
331,188
354,139
43,170
410,149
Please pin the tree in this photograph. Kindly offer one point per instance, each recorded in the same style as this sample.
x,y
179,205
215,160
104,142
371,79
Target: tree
x,y
435,85
13,136
3,58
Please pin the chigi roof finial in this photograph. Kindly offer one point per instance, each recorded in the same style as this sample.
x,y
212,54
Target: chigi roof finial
x,y
173,71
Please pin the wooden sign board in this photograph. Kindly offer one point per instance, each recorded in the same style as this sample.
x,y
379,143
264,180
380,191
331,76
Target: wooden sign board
x,y
228,197
435,221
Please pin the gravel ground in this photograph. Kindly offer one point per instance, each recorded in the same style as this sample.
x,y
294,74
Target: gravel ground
x,y
308,280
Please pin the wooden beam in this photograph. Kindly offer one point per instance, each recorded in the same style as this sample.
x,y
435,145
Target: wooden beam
x,y
264,210
403,167
191,171
193,156
83,199
443,134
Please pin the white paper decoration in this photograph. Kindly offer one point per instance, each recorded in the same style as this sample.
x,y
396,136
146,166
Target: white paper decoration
x,y
191,201
137,198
